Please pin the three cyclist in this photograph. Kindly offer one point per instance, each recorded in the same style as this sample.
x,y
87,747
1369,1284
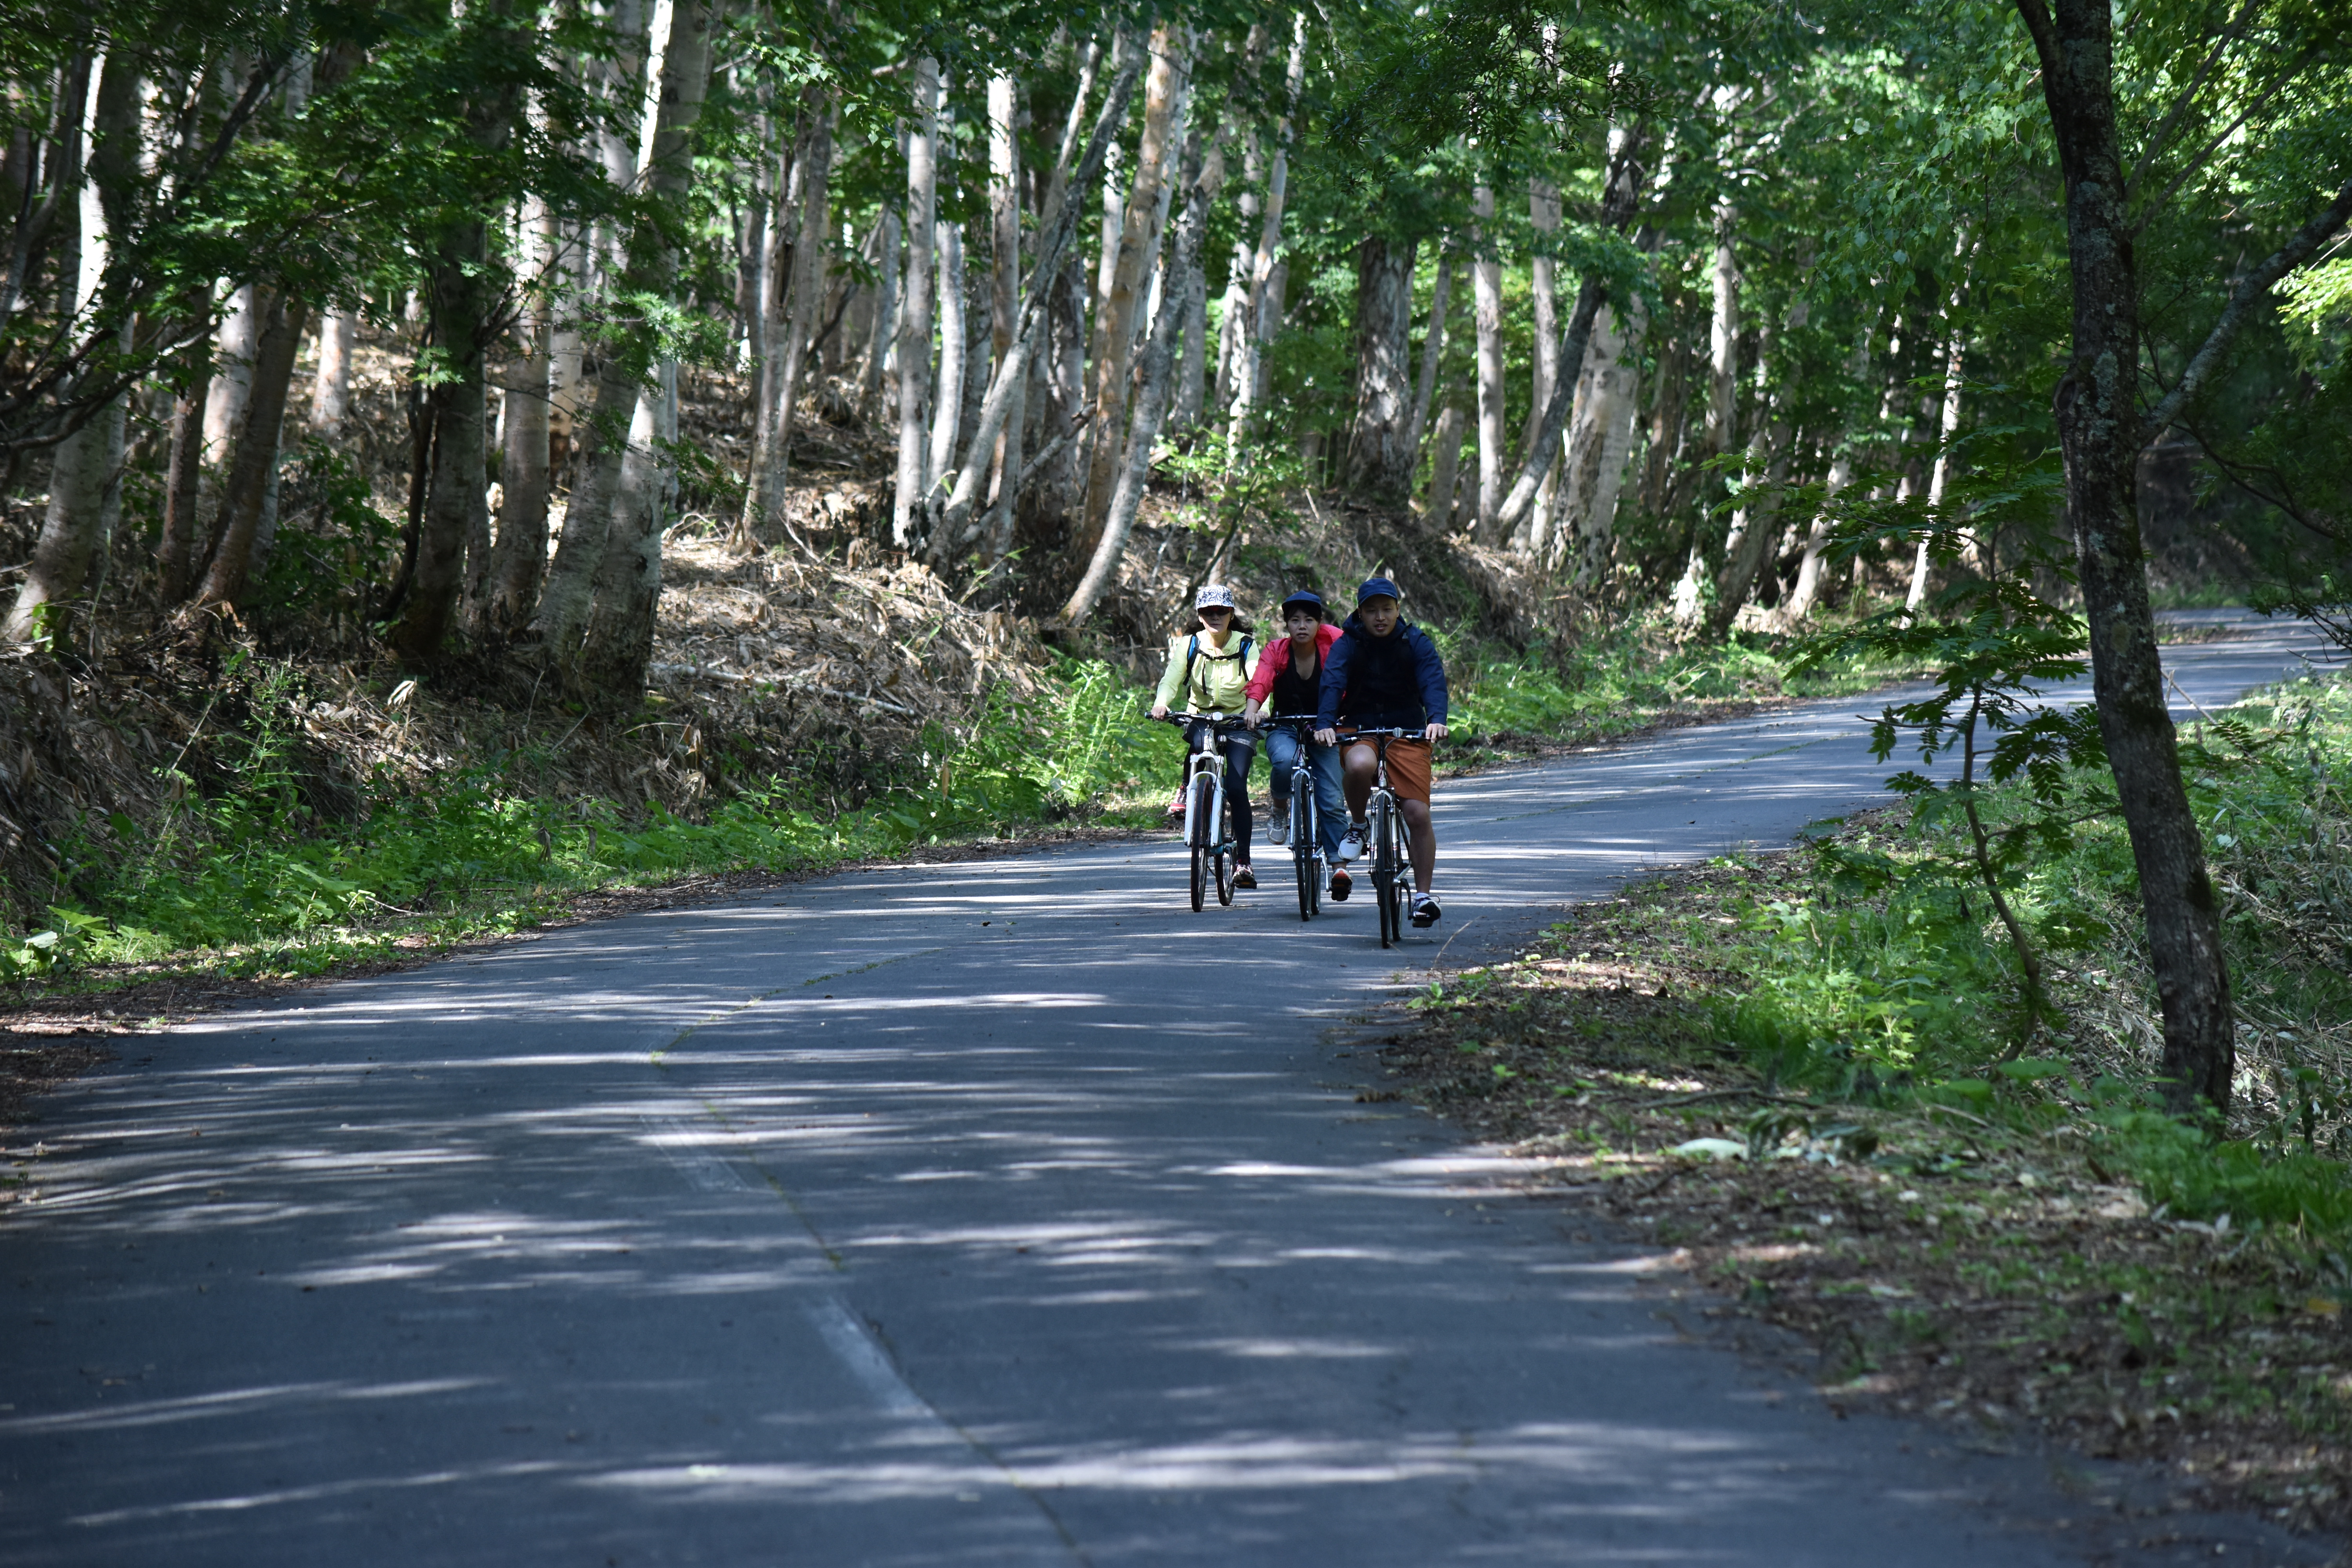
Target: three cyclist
x,y
1208,672
1289,680
1383,672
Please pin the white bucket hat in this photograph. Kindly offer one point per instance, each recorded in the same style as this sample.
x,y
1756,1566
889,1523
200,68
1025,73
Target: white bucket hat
x,y
1214,595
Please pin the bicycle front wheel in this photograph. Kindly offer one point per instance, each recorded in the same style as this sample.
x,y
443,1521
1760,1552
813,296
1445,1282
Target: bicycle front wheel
x,y
1384,872
1400,890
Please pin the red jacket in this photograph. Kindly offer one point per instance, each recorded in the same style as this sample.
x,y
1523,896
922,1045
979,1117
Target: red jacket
x,y
1274,655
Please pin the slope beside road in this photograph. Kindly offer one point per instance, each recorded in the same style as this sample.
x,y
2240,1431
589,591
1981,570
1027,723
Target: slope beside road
x,y
998,1212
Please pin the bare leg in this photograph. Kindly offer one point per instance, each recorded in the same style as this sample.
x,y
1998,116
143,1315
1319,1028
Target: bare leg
x,y
1361,763
1424,842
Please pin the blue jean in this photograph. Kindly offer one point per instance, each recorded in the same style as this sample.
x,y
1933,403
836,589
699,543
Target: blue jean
x,y
1282,745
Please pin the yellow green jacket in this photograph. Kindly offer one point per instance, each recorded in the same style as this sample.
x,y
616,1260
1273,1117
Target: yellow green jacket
x,y
1219,679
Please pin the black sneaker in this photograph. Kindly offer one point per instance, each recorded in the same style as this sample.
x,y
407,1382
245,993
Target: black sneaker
x,y
1341,884
1244,878
1425,911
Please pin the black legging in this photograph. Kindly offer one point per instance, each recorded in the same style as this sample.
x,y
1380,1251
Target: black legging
x,y
1241,749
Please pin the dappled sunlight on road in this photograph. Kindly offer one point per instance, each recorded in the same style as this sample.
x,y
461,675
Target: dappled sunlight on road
x,y
1001,1211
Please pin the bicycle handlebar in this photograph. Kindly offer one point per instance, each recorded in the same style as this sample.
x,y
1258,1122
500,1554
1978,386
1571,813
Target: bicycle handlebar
x,y
1219,720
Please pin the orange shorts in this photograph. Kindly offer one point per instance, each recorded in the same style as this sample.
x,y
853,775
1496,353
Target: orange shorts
x,y
1408,765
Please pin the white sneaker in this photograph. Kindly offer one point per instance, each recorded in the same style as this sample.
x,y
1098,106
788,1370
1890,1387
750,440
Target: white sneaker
x,y
1277,824
1351,847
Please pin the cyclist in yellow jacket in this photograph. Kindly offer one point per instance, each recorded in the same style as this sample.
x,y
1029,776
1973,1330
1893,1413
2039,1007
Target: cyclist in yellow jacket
x,y
1208,671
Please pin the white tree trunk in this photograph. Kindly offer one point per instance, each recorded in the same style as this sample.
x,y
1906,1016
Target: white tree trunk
x,y
915,314
240,330
1487,293
1128,264
330,392
1600,438
947,396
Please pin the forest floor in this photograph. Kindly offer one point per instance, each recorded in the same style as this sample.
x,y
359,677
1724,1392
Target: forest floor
x,y
1982,1269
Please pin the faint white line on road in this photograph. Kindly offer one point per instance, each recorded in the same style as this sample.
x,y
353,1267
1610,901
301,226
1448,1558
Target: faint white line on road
x,y
704,1170
852,1344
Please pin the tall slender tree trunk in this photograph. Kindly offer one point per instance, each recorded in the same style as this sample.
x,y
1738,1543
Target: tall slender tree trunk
x,y
2100,433
330,389
1534,535
254,459
240,331
1152,399
915,313
176,551
1487,294
1764,472
1433,354
1443,477
763,329
1722,405
1053,241
455,506
618,640
1599,441
1268,278
763,503
526,482
85,465
955,339
886,316
1379,458
1114,326
1004,265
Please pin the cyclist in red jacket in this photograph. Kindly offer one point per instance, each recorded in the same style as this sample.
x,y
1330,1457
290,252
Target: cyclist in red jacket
x,y
1289,680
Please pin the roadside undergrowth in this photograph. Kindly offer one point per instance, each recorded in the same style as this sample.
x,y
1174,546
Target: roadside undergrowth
x,y
1813,1094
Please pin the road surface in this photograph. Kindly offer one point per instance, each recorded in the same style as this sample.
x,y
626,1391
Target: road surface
x,y
1004,1212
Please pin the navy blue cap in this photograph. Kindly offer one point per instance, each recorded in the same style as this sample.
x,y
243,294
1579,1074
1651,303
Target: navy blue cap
x,y
1303,596
1373,588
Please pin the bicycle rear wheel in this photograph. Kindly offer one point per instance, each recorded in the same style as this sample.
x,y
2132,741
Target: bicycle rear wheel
x,y
1224,877
1400,889
1302,851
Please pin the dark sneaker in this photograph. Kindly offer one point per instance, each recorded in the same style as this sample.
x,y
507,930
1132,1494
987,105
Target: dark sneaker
x,y
1244,878
1341,884
1277,827
1425,911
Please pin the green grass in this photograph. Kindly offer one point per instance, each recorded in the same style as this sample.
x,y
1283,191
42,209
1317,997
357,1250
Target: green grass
x,y
1910,989
247,882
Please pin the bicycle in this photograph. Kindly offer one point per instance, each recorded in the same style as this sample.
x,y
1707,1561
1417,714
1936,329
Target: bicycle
x,y
1306,839
1207,825
1391,840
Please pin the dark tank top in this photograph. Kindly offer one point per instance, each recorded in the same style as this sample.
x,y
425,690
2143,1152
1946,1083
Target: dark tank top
x,y
1293,694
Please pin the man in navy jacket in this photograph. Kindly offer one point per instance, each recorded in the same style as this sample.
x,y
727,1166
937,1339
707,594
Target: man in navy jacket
x,y
1384,674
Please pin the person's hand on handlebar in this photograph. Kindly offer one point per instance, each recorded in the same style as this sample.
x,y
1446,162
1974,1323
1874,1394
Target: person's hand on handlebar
x,y
1327,737
1250,713
1160,711
1435,732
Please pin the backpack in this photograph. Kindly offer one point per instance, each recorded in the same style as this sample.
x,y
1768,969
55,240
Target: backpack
x,y
1193,651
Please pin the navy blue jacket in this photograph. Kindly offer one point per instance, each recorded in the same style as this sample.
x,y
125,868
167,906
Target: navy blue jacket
x,y
1393,682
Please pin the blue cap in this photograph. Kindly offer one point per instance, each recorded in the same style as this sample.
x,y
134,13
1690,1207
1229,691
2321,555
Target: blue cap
x,y
1303,596
1373,588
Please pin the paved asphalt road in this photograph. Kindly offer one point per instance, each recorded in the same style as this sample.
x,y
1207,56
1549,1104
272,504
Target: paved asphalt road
x,y
1004,1212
